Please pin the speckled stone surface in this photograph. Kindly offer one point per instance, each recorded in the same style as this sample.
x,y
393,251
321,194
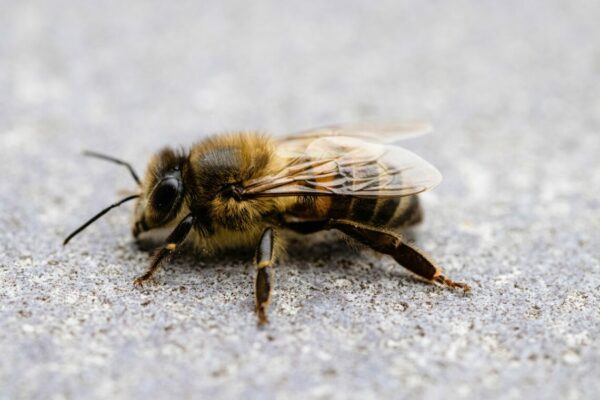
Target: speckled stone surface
x,y
513,90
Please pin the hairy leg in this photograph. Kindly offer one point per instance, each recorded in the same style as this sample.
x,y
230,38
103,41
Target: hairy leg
x,y
175,239
263,283
391,243
386,242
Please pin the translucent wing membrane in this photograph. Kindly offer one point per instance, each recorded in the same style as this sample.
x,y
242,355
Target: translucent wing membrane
x,y
374,132
347,166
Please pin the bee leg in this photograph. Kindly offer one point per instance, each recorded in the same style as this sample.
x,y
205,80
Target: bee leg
x,y
263,283
175,239
391,243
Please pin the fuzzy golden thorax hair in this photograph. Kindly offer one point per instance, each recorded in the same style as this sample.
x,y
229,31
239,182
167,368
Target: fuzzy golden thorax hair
x,y
202,182
216,165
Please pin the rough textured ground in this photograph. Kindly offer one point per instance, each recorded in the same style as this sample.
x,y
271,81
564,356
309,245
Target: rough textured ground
x,y
513,90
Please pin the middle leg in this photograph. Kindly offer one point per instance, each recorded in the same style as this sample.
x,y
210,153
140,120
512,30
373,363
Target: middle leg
x,y
265,258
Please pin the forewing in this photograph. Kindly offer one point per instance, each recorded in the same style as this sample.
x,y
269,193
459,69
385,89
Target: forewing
x,y
374,132
347,166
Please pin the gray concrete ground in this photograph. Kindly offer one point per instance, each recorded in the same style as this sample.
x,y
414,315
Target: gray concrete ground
x,y
513,90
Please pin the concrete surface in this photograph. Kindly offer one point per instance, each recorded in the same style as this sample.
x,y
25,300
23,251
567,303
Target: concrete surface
x,y
513,90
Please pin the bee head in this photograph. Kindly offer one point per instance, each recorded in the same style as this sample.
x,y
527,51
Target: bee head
x,y
162,192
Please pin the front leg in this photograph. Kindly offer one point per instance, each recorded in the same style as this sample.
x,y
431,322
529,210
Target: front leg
x,y
263,285
175,239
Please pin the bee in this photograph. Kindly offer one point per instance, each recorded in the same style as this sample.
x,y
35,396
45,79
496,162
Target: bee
x,y
242,189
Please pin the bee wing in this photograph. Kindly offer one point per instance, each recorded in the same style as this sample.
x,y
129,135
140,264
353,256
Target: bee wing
x,y
347,166
374,132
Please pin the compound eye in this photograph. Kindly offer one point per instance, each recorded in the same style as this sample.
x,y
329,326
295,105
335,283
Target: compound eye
x,y
165,194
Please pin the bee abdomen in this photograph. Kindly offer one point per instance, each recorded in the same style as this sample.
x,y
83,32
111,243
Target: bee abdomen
x,y
408,212
390,212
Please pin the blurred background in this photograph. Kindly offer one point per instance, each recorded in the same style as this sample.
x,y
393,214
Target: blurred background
x,y
512,89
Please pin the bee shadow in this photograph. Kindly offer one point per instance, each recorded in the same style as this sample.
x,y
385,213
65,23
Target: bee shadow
x,y
328,250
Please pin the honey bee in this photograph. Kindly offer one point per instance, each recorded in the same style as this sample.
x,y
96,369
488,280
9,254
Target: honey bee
x,y
241,189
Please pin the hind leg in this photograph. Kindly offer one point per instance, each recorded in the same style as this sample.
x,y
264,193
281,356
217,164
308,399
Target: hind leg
x,y
391,243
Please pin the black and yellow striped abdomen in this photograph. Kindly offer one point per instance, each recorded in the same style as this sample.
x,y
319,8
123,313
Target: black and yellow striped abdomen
x,y
384,211
391,212
360,176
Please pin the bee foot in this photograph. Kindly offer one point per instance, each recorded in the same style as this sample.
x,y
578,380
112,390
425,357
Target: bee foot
x,y
144,278
262,317
442,280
